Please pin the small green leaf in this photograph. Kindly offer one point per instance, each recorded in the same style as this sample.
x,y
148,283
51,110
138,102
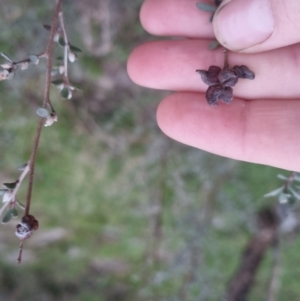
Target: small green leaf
x,y
34,59
293,200
42,112
10,185
297,177
274,192
20,204
22,167
281,177
283,198
7,217
14,212
47,27
77,87
64,92
294,193
206,7
61,41
57,82
75,49
214,44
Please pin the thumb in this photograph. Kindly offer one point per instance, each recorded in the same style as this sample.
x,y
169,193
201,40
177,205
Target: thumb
x,y
257,25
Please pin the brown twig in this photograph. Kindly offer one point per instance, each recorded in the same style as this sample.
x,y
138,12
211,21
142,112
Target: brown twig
x,y
225,51
46,101
289,180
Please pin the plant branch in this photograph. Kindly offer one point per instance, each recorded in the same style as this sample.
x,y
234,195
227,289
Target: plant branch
x,y
289,180
225,51
274,282
66,47
12,193
46,101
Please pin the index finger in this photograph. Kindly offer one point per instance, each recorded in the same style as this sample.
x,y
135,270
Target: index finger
x,y
176,18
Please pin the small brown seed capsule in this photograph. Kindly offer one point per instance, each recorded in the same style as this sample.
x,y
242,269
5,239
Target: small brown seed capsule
x,y
227,78
26,227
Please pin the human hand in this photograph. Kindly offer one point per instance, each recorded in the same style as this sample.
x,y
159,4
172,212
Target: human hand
x,y
262,123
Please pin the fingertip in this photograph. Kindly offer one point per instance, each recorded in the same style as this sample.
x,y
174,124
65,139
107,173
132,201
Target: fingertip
x,y
131,64
135,63
164,116
179,18
240,24
149,23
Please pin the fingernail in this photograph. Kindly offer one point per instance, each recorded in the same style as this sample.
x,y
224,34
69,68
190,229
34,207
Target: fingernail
x,y
240,24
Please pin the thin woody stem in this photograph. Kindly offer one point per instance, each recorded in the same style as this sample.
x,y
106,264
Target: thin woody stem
x,y
41,55
290,179
66,47
46,101
20,251
225,51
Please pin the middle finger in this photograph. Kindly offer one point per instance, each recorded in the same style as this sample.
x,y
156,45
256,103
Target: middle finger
x,y
171,65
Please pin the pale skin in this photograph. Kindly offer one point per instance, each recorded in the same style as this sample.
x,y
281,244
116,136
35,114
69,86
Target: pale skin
x,y
262,124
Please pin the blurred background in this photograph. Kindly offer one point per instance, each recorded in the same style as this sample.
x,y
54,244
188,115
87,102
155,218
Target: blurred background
x,y
125,212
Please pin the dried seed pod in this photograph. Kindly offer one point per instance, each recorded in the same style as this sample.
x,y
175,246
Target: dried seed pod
x,y
26,227
227,77
243,72
210,77
218,92
220,81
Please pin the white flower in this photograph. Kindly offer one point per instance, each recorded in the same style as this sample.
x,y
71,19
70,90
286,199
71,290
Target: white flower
x,y
24,66
70,94
72,57
7,199
56,37
5,74
61,69
51,119
7,196
6,66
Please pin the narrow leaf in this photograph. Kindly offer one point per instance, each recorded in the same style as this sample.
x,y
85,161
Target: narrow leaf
x,y
75,49
7,217
20,204
14,212
7,196
61,41
77,87
297,177
64,93
283,198
294,193
10,185
206,7
6,57
22,167
274,192
281,177
42,112
47,27
34,59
